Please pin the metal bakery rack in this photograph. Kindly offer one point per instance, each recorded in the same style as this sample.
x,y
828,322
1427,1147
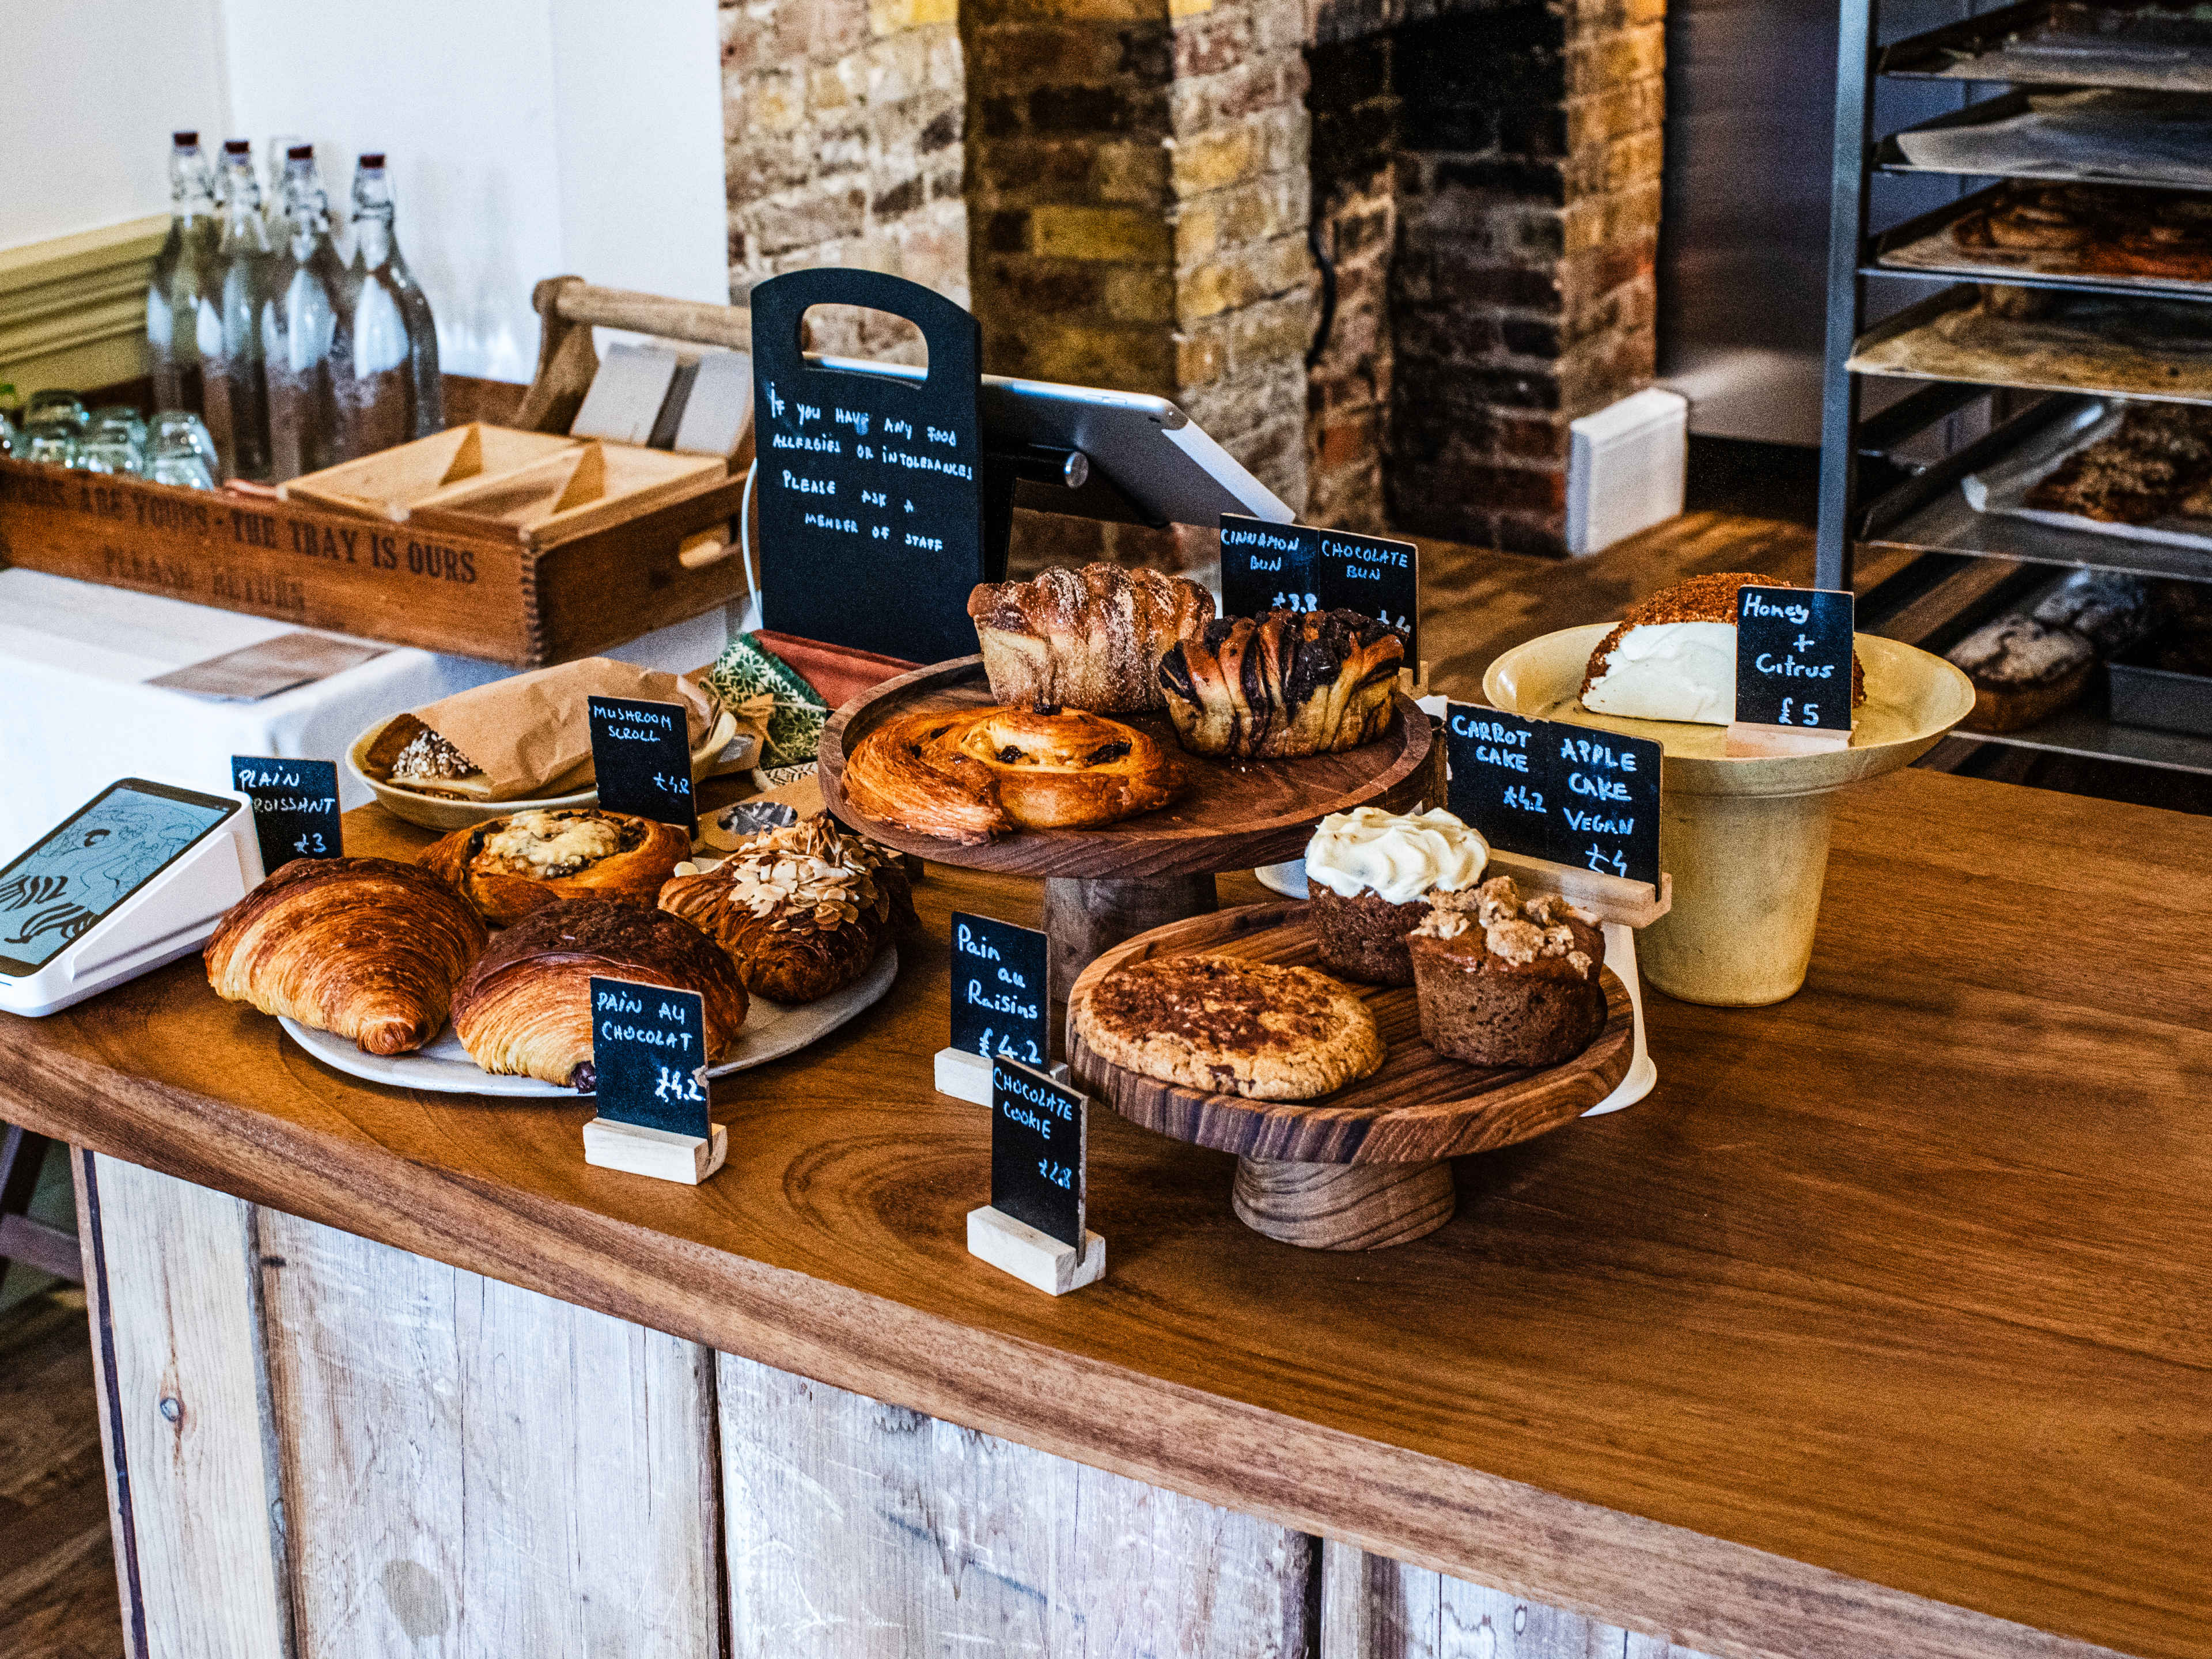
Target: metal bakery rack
x,y
1890,479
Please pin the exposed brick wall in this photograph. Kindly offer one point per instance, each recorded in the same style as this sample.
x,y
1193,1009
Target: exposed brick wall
x,y
842,126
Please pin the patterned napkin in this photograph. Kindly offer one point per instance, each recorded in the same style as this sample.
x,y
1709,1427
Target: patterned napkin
x,y
752,680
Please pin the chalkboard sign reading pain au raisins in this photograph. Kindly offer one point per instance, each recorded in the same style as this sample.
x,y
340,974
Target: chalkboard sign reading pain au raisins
x,y
869,485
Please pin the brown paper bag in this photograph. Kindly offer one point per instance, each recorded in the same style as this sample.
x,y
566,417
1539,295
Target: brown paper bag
x,y
530,736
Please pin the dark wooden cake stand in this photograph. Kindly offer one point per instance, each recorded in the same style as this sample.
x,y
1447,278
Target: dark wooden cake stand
x,y
1370,1164
1103,886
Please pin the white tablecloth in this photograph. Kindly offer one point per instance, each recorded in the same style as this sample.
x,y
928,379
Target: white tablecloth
x,y
76,715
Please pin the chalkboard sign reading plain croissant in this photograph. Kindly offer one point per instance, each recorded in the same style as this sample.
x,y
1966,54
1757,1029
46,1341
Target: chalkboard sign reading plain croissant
x,y
1546,789
641,757
1295,567
295,807
869,485
1793,657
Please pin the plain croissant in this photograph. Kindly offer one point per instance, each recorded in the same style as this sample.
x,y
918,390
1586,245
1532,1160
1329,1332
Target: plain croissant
x,y
367,948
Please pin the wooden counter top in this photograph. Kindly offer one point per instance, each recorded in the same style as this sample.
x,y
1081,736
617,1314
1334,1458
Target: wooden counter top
x,y
1882,1321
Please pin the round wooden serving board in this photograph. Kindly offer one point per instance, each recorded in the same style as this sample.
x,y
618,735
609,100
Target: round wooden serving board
x,y
1235,814
1363,1167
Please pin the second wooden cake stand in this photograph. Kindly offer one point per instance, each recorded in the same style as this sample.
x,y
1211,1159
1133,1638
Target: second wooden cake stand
x,y
1368,1165
1105,886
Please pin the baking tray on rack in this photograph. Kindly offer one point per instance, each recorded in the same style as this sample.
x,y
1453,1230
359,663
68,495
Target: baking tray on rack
x,y
2131,43
2100,135
2002,490
1954,240
2127,347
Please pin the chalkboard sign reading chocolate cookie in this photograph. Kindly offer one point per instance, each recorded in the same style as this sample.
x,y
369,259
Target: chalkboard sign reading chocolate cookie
x,y
999,990
1793,657
1295,567
295,807
1039,1130
869,487
1501,777
641,756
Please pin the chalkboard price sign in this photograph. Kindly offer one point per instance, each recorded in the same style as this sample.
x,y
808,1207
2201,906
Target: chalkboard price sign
x,y
649,1050
1793,657
1039,1134
1295,567
641,755
295,807
999,1007
1606,790
1501,777
869,486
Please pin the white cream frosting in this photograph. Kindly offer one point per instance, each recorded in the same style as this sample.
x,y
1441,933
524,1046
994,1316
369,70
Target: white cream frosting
x,y
1397,856
1682,671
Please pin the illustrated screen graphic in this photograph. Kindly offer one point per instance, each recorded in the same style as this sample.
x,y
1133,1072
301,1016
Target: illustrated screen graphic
x,y
56,891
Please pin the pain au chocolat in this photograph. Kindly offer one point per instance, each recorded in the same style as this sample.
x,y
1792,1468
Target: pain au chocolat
x,y
1090,639
970,775
1286,684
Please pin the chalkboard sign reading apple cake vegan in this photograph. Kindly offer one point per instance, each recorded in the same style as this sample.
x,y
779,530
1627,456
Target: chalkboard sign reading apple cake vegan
x,y
649,1055
641,756
1295,567
295,807
1545,789
869,487
1793,658
1038,1133
999,990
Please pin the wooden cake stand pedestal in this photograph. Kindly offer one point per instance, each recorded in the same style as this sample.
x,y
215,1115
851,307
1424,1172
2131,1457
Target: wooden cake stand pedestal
x,y
1368,1165
1105,886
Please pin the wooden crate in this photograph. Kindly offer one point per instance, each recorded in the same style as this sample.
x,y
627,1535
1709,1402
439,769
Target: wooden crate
x,y
477,588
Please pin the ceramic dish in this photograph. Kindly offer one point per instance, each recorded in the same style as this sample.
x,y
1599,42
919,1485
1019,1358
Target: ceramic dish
x,y
772,1030
443,812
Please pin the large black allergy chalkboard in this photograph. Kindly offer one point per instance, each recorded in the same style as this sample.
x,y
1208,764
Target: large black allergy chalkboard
x,y
869,487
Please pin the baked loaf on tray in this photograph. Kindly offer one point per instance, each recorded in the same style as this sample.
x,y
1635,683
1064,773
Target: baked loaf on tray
x,y
2024,670
510,866
1229,1025
1671,656
367,948
1288,683
1090,639
802,911
968,775
524,1010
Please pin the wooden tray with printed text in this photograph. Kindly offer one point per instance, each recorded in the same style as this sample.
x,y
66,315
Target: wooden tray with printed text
x,y
1421,1106
1235,815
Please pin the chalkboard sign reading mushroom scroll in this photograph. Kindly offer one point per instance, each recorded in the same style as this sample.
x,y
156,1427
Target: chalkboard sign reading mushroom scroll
x,y
649,1065
869,486
1793,670
641,756
295,807
1295,567
1546,789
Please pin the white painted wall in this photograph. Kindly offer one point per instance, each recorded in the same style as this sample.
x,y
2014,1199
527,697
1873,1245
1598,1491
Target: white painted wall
x,y
526,137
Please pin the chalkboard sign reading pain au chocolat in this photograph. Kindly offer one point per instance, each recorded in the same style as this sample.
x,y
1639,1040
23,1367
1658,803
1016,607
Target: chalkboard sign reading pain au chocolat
x,y
295,807
869,486
1038,1133
649,1056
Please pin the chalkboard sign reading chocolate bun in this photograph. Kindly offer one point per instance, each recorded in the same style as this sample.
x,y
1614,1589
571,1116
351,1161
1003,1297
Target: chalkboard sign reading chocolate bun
x,y
1294,566
295,807
999,990
641,756
1501,778
1793,657
1038,1134
649,1048
869,500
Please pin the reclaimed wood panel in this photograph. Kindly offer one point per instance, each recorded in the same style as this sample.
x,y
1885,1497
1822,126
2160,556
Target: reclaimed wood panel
x,y
859,1530
473,1469
176,1261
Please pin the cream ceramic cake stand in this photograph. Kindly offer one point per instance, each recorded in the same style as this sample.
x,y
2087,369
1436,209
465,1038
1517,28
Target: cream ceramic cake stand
x,y
1745,840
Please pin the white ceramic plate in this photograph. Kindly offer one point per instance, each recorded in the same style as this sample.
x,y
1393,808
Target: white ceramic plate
x,y
772,1030
713,757
1288,878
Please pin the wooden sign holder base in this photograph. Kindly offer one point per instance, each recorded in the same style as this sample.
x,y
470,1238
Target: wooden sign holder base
x,y
1748,741
1036,1258
967,1077
660,1153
